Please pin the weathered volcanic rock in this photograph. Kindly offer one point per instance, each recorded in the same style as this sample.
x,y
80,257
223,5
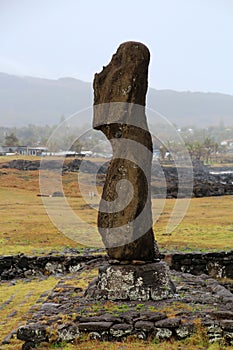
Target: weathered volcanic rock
x,y
125,219
129,282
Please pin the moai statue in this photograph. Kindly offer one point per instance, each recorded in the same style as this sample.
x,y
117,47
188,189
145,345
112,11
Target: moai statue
x,y
119,112
134,271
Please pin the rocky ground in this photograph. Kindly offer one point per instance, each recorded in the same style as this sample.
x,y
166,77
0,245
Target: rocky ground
x,y
200,304
67,313
206,182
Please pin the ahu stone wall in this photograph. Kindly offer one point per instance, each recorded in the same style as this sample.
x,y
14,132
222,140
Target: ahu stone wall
x,y
214,264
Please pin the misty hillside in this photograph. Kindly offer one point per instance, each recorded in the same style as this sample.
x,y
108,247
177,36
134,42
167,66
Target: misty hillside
x,y
28,100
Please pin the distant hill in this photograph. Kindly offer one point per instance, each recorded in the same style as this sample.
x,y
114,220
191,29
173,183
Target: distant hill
x,y
29,100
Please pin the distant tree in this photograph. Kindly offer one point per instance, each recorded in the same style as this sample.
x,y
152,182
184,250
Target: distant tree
x,y
206,151
196,150
222,151
162,152
208,146
216,150
11,140
76,147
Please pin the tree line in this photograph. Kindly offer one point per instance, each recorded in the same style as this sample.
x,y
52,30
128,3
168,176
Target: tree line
x,y
203,144
206,151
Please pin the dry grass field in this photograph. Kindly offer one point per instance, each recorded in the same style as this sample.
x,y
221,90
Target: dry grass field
x,y
26,228
207,225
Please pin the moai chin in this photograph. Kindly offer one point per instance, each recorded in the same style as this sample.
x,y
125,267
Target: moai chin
x,y
125,216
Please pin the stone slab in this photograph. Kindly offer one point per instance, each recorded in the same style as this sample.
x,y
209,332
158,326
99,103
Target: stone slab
x,y
133,282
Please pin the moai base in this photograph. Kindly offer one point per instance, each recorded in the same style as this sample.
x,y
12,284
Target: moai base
x,y
134,271
149,281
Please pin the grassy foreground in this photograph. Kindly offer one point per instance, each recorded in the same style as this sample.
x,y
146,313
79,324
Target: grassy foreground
x,y
16,299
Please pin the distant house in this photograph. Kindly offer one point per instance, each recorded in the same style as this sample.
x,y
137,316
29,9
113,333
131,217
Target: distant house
x,y
24,150
7,150
31,151
228,143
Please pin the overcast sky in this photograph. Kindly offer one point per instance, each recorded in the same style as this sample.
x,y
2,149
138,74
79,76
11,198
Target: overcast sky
x,y
191,41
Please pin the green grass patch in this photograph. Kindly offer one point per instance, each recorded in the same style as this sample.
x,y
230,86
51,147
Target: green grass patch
x,y
16,299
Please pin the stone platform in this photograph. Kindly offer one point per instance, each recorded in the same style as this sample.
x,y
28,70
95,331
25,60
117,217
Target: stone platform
x,y
200,302
148,281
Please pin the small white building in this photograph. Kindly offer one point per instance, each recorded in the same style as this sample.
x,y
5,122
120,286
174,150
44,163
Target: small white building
x,y
228,143
23,150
